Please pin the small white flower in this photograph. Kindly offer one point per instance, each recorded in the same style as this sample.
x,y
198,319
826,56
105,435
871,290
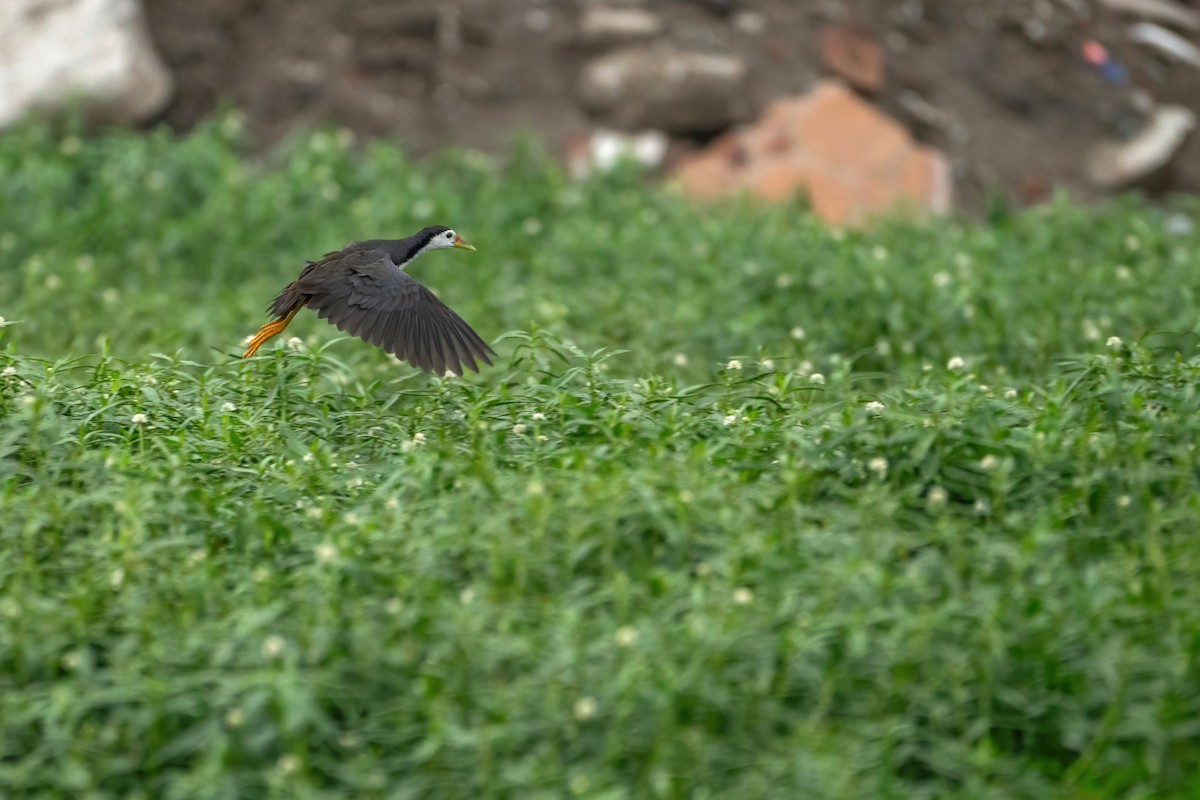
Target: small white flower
x,y
938,496
941,279
680,359
1132,243
537,416
418,438
350,518
228,407
783,280
2,322
988,462
326,553
116,578
968,311
879,253
1090,331
981,506
9,372
817,378
733,364
585,709
273,646
308,457
72,660
804,367
1113,341
532,226
295,343
392,504
448,374
138,419
626,635
519,428
235,718
288,764
767,363
798,333
874,406
535,489
1123,273
686,496
314,513
1123,501
743,596
53,281
355,483
466,596
247,340
394,606
883,347
956,362
730,419
1010,394
27,400
878,465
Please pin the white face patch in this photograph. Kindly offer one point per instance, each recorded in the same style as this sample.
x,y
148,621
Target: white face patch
x,y
442,241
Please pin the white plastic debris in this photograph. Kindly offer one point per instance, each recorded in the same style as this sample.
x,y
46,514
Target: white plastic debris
x,y
1163,11
1167,42
1124,163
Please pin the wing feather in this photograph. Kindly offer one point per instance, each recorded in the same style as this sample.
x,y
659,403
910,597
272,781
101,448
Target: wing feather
x,y
364,293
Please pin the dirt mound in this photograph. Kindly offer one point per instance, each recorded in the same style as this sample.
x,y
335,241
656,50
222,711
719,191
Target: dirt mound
x,y
1002,88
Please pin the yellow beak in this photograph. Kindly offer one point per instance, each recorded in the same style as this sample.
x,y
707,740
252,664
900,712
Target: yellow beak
x,y
463,243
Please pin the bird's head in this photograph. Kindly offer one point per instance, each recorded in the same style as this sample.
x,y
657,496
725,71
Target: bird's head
x,y
439,237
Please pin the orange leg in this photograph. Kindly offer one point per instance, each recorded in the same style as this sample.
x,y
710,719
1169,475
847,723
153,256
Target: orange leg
x,y
267,331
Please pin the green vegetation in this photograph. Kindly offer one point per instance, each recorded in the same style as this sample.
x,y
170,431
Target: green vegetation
x,y
748,508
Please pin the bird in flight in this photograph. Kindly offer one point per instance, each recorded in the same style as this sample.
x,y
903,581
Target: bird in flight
x,y
363,289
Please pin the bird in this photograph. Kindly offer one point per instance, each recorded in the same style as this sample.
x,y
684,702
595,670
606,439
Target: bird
x,y
364,290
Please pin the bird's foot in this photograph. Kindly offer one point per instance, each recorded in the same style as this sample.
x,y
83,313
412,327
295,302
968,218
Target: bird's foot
x,y
268,331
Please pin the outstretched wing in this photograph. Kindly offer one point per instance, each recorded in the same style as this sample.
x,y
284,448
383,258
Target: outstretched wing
x,y
366,295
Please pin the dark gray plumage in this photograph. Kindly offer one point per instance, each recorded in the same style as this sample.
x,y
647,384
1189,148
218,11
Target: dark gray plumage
x,y
363,290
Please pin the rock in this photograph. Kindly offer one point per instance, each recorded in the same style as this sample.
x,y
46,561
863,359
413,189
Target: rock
x,y
52,51
721,7
851,159
671,91
607,27
854,56
1149,153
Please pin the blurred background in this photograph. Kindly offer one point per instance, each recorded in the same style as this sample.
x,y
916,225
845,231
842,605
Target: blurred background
x,y
942,104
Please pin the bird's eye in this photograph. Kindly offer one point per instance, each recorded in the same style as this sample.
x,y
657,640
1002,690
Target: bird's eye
x,y
449,234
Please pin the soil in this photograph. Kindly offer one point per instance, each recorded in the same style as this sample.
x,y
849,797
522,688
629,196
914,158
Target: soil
x,y
1001,87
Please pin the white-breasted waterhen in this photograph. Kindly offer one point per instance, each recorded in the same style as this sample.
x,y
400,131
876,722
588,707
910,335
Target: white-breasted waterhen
x,y
364,290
